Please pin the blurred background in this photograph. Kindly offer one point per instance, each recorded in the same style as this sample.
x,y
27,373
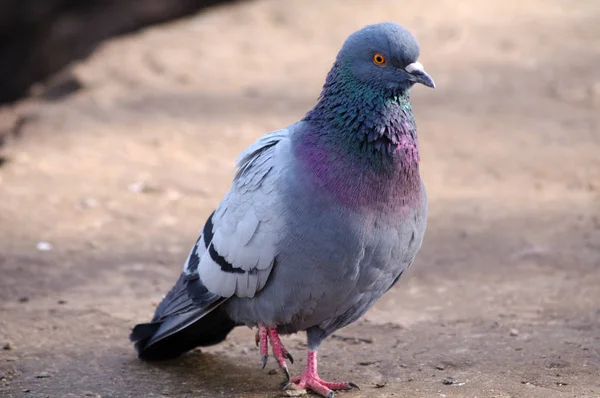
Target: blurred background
x,y
117,140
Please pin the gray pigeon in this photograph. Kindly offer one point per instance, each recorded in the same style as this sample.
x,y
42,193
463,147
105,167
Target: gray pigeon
x,y
322,218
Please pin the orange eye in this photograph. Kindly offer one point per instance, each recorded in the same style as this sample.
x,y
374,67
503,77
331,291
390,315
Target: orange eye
x,y
378,59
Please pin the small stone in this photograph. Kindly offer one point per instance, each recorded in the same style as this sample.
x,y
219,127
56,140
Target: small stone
x,y
272,372
62,302
294,393
556,363
88,203
44,246
514,332
136,187
449,381
23,299
440,367
142,187
245,350
367,363
7,346
26,390
42,375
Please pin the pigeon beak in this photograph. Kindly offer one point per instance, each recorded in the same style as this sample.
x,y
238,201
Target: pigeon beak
x,y
419,75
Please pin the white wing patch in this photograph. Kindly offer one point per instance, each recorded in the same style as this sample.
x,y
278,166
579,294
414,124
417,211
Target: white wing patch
x,y
237,249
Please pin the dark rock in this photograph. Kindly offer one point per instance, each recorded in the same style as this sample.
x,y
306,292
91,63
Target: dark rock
x,y
450,380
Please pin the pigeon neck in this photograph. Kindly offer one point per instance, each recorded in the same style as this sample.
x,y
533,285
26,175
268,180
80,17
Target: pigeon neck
x,y
374,122
361,146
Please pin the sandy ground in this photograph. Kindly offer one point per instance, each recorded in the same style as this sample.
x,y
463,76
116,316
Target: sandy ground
x,y
504,299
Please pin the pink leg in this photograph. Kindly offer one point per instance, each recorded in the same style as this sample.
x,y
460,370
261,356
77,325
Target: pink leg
x,y
310,380
262,343
263,336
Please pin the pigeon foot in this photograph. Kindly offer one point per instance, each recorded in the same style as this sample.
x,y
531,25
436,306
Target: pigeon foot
x,y
264,335
310,380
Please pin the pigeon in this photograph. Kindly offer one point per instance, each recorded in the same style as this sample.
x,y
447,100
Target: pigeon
x,y
322,218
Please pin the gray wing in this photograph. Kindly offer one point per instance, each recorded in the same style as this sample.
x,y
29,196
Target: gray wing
x,y
237,249
233,256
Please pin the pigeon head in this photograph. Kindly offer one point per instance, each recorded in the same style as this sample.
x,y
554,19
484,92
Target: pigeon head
x,y
364,109
383,56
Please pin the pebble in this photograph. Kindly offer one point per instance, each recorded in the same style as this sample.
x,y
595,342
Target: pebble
x,y
449,381
136,187
514,332
42,375
88,203
294,393
7,346
142,187
44,246
367,363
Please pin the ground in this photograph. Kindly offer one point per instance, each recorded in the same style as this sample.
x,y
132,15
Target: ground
x,y
117,180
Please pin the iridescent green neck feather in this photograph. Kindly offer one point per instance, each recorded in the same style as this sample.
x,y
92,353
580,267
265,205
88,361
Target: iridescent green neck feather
x,y
360,142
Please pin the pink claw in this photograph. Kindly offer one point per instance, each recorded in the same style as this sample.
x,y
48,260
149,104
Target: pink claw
x,y
263,336
309,379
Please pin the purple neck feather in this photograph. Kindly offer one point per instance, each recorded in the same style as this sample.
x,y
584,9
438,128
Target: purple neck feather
x,y
359,144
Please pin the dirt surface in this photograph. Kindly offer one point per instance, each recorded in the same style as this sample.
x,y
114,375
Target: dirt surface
x,y
504,299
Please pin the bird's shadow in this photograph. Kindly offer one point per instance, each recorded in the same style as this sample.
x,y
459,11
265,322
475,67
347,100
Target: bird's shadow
x,y
199,372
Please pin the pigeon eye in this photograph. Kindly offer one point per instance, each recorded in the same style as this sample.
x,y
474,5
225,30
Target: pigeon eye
x,y
378,59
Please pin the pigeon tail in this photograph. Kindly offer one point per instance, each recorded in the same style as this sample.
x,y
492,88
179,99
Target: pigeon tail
x,y
211,329
182,323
